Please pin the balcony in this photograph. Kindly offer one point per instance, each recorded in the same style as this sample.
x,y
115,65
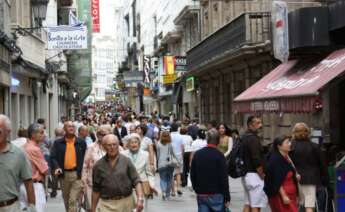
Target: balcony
x,y
249,30
186,13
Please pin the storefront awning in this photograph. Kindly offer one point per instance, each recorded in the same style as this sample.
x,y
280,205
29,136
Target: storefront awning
x,y
292,86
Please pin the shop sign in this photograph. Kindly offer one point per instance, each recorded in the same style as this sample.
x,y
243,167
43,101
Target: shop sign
x,y
280,30
180,63
67,37
169,78
190,84
95,16
268,106
147,69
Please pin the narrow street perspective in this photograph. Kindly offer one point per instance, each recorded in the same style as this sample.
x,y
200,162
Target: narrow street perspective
x,y
172,105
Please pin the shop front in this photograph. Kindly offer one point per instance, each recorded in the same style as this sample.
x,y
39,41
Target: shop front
x,y
303,90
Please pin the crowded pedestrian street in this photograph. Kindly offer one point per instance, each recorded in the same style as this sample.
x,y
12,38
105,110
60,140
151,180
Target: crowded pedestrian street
x,y
172,106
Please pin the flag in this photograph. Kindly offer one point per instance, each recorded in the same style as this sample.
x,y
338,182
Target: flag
x,y
73,21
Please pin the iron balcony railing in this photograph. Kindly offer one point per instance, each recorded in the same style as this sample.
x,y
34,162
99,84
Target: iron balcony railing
x,y
248,29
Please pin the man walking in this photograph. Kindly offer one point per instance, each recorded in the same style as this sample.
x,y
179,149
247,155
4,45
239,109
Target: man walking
x,y
114,177
15,169
38,164
177,143
120,131
253,182
67,157
209,176
59,133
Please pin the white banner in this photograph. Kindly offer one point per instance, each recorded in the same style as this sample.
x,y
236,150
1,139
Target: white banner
x,y
67,37
280,30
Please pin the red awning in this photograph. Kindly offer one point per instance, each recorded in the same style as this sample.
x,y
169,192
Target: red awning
x,y
292,86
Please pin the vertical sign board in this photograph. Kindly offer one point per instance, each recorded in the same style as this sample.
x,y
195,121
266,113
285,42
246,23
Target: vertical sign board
x,y
280,30
95,15
147,69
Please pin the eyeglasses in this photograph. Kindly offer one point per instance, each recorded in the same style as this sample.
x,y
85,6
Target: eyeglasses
x,y
111,145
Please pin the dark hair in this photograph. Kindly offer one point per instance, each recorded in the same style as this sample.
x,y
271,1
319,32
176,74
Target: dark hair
x,y
278,141
22,132
143,128
33,128
183,131
251,119
227,129
235,131
41,121
201,133
174,127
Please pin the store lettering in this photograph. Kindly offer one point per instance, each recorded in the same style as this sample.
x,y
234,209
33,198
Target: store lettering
x,y
285,83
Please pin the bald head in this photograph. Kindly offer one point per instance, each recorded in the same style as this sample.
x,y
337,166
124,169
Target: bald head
x,y
59,132
111,145
5,128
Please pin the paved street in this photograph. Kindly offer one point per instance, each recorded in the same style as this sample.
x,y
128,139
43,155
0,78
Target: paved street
x,y
186,203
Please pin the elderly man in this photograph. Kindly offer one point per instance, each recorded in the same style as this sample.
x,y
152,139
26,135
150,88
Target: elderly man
x,y
114,177
209,176
39,166
59,133
67,157
15,169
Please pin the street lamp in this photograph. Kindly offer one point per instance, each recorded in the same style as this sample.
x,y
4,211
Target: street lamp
x,y
39,10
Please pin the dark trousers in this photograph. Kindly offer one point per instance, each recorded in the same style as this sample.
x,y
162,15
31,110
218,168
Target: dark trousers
x,y
186,168
211,203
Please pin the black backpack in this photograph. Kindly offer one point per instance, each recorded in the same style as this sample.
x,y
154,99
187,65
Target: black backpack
x,y
235,160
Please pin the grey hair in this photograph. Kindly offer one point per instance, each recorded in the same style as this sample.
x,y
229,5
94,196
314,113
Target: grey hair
x,y
33,128
4,119
212,137
134,136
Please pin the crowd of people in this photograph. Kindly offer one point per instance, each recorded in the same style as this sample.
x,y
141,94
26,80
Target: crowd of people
x,y
109,162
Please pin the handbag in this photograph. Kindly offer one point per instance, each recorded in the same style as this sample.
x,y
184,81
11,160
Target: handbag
x,y
171,159
300,193
146,188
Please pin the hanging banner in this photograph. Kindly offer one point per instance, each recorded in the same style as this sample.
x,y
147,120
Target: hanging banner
x,y
95,16
66,37
169,65
280,30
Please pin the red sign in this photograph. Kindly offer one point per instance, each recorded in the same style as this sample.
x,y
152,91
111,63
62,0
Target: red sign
x,y
95,16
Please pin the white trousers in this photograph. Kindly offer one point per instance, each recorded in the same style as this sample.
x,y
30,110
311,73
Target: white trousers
x,y
40,196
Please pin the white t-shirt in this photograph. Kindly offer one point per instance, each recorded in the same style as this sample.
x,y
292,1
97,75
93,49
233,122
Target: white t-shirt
x,y
177,142
199,144
145,143
187,142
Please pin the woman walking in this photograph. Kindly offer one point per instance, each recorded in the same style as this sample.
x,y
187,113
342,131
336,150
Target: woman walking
x,y
93,153
140,160
281,177
146,144
225,140
165,158
307,158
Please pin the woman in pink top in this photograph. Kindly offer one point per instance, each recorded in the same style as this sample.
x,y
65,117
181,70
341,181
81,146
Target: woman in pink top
x,y
93,153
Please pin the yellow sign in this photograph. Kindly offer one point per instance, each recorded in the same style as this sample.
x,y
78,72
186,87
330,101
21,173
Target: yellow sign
x,y
169,79
169,65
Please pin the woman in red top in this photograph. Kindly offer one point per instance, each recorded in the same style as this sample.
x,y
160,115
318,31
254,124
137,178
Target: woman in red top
x,y
281,178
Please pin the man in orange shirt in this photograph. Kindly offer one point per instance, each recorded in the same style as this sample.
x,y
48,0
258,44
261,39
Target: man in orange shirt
x,y
38,164
67,157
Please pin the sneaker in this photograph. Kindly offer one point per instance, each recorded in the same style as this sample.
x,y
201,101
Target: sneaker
x,y
179,192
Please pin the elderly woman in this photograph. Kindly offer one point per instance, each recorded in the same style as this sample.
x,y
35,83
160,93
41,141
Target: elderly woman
x,y
307,158
93,153
140,160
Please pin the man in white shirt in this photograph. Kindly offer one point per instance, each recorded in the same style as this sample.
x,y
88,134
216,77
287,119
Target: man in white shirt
x,y
178,145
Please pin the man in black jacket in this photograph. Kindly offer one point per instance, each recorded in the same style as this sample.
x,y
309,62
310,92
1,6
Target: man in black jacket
x,y
253,182
209,176
120,131
67,157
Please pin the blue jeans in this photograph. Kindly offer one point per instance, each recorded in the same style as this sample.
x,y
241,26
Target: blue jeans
x,y
166,175
211,203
